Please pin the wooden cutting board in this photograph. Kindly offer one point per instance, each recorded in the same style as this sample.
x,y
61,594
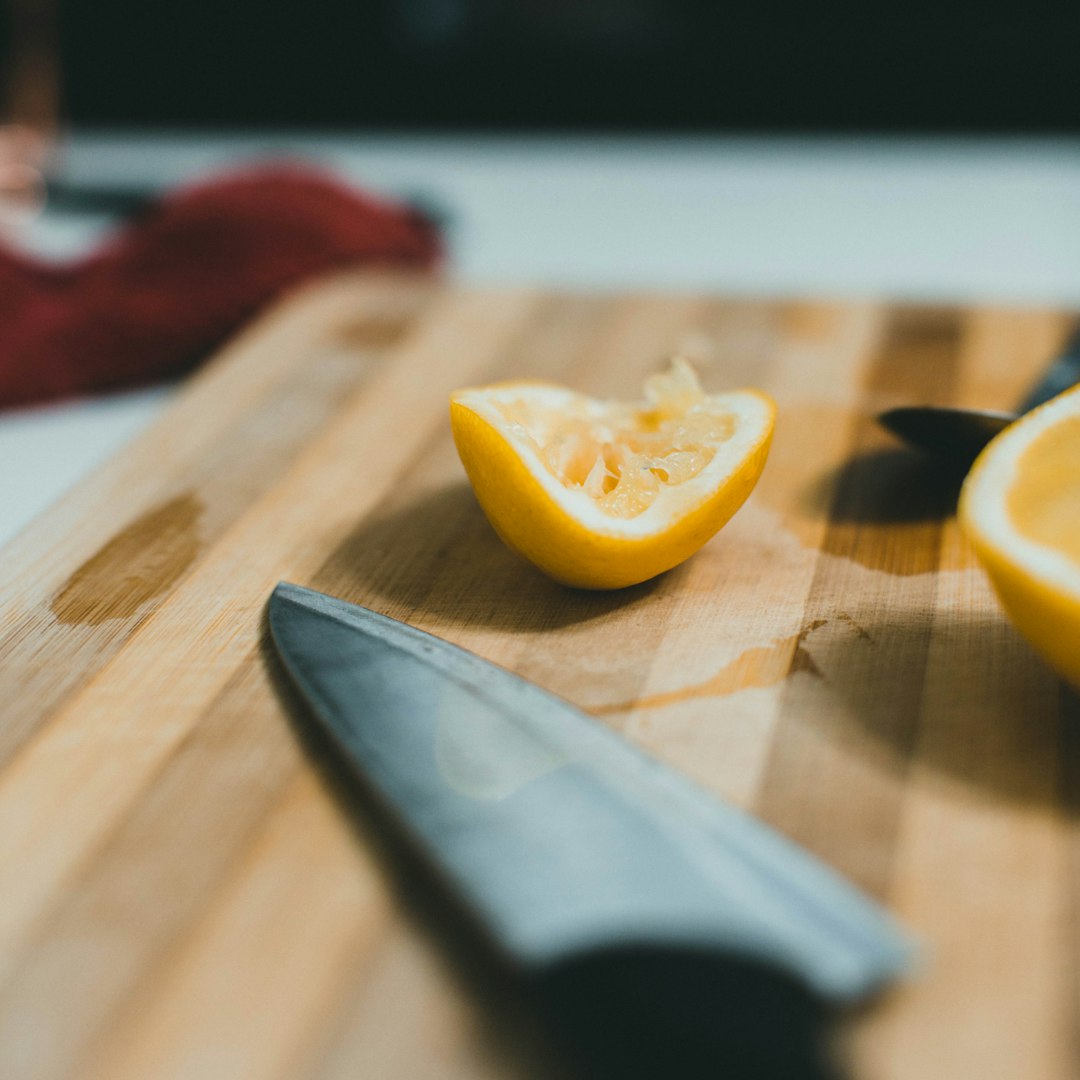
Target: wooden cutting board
x,y
180,894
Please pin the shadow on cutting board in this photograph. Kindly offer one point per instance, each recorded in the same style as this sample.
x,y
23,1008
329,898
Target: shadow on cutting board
x,y
885,486
962,693
437,555
618,1013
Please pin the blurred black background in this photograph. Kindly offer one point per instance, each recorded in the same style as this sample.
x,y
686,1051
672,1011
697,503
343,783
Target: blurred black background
x,y
775,65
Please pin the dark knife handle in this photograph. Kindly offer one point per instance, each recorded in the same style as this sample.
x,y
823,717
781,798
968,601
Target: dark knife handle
x,y
642,1013
1063,374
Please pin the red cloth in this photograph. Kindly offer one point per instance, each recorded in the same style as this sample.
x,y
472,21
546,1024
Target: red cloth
x,y
177,281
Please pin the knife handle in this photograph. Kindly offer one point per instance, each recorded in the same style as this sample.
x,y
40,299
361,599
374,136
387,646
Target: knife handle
x,y
639,1012
1063,374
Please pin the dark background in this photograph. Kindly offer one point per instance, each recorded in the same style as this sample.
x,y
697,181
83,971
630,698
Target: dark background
x,y
773,65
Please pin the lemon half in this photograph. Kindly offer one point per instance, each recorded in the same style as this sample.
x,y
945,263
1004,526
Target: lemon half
x,y
602,494
1020,507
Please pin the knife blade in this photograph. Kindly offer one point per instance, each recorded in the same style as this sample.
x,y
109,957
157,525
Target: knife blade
x,y
563,839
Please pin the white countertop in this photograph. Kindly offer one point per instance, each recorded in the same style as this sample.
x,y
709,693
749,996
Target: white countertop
x,y
936,220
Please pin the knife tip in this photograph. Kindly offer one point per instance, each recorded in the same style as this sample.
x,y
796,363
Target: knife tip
x,y
286,595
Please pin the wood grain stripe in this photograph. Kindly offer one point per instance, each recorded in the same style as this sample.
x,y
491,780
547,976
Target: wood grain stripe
x,y
246,992
847,728
144,881
406,1018
979,865
1070,806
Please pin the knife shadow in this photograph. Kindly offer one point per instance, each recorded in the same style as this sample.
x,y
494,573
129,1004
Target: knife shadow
x,y
436,557
632,1013
885,486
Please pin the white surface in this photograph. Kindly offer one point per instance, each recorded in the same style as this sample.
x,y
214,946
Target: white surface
x,y
47,449
934,220
927,219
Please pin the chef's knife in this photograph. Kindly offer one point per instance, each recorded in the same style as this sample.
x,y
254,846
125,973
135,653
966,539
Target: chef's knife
x,y
563,840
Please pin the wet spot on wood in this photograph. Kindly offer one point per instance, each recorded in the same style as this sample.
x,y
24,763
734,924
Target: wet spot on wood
x,y
756,668
375,331
141,562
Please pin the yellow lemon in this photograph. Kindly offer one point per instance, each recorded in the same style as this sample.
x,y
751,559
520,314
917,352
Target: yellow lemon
x,y
1020,507
603,494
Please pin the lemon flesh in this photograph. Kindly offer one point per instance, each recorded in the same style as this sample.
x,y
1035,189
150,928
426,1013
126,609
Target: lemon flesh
x,y
602,494
1046,506
1020,507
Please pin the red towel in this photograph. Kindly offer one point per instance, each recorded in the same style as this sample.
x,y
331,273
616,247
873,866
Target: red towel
x,y
176,282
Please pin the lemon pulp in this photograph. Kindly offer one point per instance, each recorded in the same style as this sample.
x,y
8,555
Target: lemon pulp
x,y
623,456
1045,508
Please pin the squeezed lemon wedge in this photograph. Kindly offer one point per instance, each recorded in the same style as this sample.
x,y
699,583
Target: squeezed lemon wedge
x,y
1020,508
604,494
